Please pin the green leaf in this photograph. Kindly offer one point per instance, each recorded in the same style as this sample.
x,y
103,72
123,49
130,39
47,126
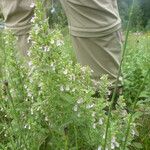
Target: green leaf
x,y
137,145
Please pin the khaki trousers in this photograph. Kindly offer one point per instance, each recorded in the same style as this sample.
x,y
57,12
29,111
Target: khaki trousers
x,y
101,51
102,54
17,15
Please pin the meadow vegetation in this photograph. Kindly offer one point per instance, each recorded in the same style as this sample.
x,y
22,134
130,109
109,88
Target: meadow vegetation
x,y
46,103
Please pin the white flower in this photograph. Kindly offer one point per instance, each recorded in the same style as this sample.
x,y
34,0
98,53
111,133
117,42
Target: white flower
x,y
73,90
86,91
29,94
133,132
124,113
40,85
89,106
100,122
46,49
53,66
79,115
109,92
134,125
32,5
117,144
26,100
28,53
113,140
32,19
75,108
104,136
38,109
30,63
92,71
65,72
112,146
72,77
29,39
52,41
59,43
67,88
46,118
36,29
93,114
26,87
114,143
25,126
80,101
31,80
83,69
99,148
31,111
94,126
62,88
52,10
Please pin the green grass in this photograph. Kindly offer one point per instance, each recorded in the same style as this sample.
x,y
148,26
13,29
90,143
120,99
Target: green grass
x,y
136,60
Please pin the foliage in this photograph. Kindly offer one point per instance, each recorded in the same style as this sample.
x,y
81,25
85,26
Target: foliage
x,y
57,15
46,102
145,6
148,25
124,8
136,67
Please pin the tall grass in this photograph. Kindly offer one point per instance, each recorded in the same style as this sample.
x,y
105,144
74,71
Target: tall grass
x,y
119,74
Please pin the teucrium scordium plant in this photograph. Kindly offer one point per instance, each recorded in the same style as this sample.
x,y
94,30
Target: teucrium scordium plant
x,y
51,98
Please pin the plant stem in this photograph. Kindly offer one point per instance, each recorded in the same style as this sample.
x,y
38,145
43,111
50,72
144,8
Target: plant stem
x,y
15,115
118,76
134,106
76,139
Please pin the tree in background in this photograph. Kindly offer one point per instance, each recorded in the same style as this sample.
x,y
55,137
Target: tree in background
x,y
57,15
123,9
137,17
145,6
140,16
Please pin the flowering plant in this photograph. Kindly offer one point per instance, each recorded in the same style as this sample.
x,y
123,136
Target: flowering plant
x,y
47,103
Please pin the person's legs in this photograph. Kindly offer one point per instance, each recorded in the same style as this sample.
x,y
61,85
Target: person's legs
x,y
23,44
102,54
17,15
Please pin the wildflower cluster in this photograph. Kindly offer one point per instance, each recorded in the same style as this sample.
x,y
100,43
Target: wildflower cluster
x,y
48,102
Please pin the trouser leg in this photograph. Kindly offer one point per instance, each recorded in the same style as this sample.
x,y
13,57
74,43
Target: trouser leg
x,y
102,54
23,44
17,15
